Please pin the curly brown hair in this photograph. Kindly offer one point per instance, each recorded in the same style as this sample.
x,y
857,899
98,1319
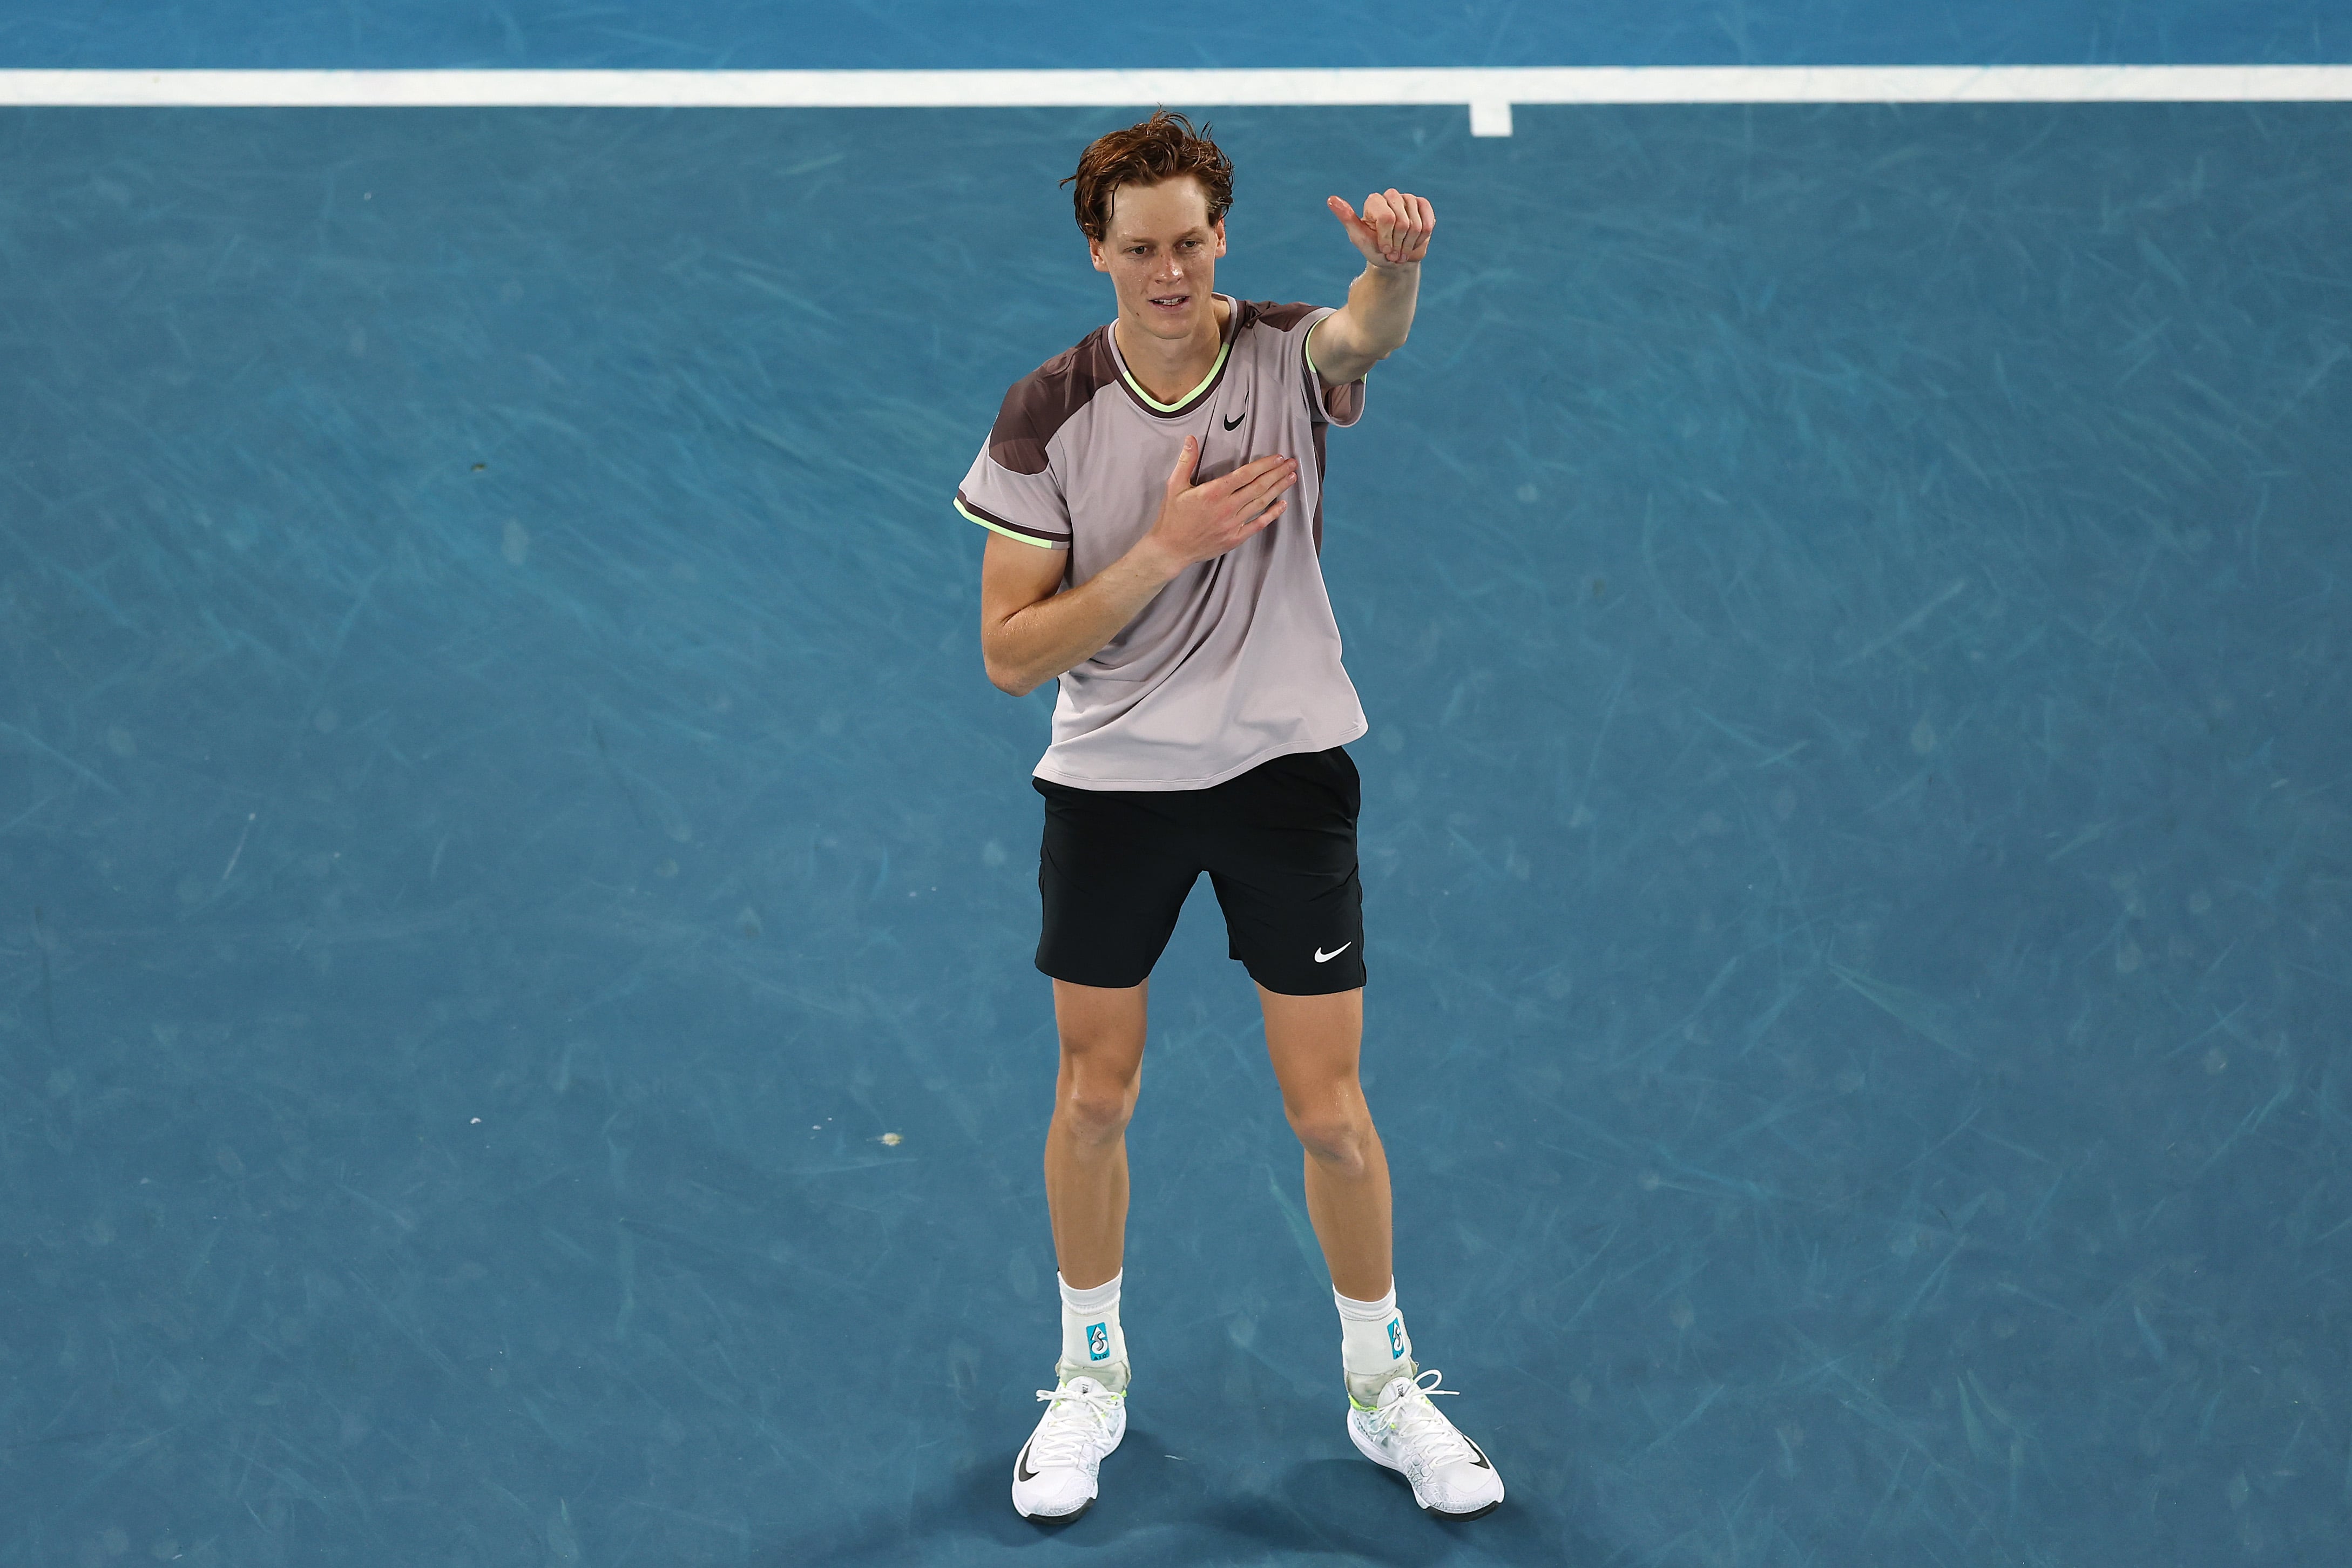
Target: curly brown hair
x,y
1162,148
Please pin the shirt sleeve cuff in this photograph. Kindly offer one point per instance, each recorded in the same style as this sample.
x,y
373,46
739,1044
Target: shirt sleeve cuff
x,y
1340,406
1045,539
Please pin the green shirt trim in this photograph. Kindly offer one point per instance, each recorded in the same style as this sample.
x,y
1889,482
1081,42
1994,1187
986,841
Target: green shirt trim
x,y
971,517
1222,349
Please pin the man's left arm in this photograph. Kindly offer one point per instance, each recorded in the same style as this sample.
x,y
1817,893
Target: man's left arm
x,y
1393,235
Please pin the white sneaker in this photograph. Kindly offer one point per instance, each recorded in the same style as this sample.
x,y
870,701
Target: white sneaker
x,y
1054,1476
1452,1476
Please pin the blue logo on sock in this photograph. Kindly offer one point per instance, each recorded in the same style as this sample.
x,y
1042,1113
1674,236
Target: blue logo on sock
x,y
1396,1336
1098,1342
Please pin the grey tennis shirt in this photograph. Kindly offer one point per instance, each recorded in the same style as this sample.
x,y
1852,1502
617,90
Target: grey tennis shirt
x,y
1237,661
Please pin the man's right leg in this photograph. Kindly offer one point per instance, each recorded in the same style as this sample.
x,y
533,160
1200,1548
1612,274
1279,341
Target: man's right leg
x,y
1112,872
1102,1035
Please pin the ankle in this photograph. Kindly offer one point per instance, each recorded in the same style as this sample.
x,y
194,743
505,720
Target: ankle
x,y
1111,1375
1374,1348
1091,1335
1364,1389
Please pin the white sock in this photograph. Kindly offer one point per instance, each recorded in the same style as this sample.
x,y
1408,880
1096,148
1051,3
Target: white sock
x,y
1093,1344
1374,1345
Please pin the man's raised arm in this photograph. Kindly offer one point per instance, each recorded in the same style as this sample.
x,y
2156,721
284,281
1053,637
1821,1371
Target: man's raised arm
x,y
1394,234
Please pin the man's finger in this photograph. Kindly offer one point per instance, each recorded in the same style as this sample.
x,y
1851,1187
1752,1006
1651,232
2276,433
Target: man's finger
x,y
1188,458
1359,230
1258,523
1253,472
1245,501
1273,484
1408,224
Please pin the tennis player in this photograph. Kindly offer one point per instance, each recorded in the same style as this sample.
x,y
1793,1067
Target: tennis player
x,y
1155,503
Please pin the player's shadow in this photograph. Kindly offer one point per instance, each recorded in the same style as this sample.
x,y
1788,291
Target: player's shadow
x,y
1352,1507
1315,1508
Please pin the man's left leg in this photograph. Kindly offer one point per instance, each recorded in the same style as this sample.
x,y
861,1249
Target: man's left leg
x,y
1315,1044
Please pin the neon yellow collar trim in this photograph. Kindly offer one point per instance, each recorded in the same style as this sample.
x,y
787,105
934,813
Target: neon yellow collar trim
x,y
1223,348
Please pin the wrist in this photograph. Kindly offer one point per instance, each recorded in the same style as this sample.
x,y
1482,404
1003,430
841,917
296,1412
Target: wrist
x,y
1154,560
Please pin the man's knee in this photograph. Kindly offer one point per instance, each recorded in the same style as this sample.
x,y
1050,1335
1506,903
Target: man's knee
x,y
1095,1107
1336,1131
1102,1059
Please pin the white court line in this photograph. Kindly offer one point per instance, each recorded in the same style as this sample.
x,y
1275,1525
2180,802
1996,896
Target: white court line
x,y
1488,91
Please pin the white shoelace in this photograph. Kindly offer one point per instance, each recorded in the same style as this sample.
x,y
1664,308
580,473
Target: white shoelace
x,y
1062,1439
1422,1427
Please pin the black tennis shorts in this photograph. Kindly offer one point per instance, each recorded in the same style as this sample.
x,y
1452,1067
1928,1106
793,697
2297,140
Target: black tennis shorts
x,y
1278,844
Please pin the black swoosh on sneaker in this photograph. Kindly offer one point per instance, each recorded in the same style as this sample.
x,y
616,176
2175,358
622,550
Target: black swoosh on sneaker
x,y
1022,1472
1236,419
1481,1462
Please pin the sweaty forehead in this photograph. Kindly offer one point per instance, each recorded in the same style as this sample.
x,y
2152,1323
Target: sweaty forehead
x,y
1163,211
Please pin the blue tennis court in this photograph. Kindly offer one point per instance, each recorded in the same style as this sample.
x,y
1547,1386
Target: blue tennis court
x,y
518,1037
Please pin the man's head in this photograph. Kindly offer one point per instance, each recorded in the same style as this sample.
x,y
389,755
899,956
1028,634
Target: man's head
x,y
1151,201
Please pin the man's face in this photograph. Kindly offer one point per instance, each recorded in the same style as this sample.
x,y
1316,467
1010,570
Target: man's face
x,y
1162,250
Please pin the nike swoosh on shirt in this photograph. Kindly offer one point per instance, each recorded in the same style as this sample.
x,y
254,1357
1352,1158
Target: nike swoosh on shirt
x,y
1323,957
1236,419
